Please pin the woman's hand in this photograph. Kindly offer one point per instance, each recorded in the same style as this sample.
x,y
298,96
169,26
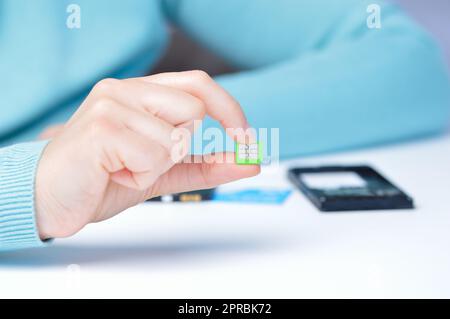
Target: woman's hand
x,y
116,150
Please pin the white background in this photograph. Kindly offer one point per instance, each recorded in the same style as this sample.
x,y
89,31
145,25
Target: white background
x,y
213,250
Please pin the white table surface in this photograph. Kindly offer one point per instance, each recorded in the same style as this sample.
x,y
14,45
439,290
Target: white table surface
x,y
211,250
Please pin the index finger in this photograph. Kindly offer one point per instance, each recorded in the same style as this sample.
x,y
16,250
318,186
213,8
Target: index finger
x,y
220,105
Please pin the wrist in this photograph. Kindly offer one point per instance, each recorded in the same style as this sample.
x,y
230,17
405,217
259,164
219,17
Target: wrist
x,y
44,207
43,223
41,203
55,216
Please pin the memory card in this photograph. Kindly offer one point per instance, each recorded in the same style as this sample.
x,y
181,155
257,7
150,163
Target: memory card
x,y
248,153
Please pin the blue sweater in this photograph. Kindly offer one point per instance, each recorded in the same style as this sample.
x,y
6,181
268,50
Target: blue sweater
x,y
309,67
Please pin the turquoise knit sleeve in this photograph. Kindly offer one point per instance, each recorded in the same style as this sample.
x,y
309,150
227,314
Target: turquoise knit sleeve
x,y
18,165
315,70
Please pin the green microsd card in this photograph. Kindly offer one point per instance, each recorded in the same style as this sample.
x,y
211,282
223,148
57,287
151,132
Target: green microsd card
x,y
248,154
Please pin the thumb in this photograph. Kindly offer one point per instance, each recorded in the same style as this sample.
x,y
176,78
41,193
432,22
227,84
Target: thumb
x,y
201,174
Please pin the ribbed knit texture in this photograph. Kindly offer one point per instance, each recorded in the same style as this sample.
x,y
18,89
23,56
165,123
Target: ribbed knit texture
x,y
18,165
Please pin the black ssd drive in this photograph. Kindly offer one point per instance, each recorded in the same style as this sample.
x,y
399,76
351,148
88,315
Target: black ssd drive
x,y
347,188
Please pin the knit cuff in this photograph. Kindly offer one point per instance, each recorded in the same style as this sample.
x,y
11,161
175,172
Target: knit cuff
x,y
18,164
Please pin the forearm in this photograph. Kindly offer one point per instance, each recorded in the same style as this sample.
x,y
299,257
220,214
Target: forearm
x,y
18,227
316,71
381,86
